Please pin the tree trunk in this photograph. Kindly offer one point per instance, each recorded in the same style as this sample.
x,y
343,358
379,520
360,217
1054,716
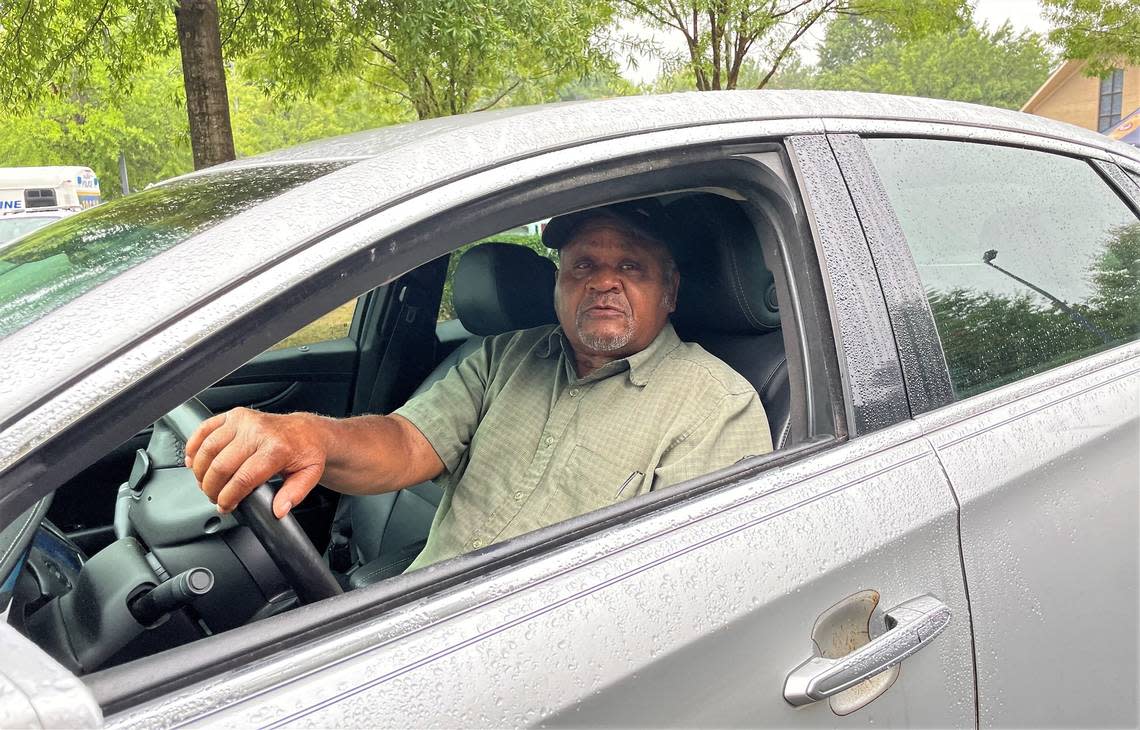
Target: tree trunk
x,y
207,101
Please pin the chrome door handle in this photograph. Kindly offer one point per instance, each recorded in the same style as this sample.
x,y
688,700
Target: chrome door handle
x,y
910,626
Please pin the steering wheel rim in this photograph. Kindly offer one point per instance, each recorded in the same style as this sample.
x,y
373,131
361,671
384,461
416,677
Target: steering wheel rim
x,y
284,540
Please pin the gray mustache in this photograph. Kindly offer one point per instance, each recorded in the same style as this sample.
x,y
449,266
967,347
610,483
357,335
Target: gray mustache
x,y
606,300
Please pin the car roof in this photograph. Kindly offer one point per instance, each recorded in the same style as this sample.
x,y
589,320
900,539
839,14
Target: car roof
x,y
578,122
384,167
582,121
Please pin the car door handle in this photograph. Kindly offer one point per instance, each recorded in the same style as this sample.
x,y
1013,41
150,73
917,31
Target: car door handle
x,y
910,626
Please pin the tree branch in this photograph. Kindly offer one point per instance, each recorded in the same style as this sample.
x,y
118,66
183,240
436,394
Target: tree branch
x,y
234,25
385,53
52,68
499,98
791,41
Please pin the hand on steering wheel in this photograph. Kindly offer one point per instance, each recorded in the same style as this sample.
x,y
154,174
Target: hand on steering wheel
x,y
233,453
282,537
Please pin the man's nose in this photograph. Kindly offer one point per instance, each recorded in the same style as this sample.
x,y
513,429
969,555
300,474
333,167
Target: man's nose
x,y
605,278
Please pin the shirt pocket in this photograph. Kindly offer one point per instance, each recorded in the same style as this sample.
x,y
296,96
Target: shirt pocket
x,y
593,480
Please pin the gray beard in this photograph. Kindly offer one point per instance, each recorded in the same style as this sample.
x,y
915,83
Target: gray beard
x,y
606,343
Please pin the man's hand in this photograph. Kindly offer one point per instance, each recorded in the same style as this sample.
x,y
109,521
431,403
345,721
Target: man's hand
x,y
235,452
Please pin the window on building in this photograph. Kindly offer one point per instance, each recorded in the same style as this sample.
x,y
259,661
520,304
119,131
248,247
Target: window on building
x,y
1111,98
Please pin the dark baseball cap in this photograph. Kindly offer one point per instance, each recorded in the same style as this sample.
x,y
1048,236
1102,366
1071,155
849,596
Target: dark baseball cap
x,y
645,217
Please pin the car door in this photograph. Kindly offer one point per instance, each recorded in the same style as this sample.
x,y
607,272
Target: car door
x,y
1027,250
720,602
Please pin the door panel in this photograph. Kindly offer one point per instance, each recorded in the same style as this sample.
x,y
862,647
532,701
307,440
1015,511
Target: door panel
x,y
692,615
1047,475
316,377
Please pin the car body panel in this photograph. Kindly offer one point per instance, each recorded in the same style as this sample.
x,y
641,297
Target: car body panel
x,y
36,691
1046,473
688,616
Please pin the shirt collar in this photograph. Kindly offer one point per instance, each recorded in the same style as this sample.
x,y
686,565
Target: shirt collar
x,y
640,364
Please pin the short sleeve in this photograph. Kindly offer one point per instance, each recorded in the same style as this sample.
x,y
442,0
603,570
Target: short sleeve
x,y
448,412
734,428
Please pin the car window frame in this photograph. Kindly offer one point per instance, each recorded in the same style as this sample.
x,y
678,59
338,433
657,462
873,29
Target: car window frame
x,y
577,189
912,317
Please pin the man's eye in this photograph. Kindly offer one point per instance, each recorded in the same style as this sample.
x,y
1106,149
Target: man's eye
x,y
630,266
582,265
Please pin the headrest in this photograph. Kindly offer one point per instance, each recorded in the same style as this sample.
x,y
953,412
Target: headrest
x,y
725,285
501,287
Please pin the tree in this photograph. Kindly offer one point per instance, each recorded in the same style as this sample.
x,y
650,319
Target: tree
x,y
453,56
1105,33
47,46
720,36
968,63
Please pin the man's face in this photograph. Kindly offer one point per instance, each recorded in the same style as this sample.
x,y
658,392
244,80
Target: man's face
x,y
612,296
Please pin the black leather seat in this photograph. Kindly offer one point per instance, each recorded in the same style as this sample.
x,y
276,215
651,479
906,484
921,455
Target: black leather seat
x,y
727,302
498,287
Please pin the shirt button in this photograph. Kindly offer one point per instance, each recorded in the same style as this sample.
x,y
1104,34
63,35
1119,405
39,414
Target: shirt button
x,y
518,496
549,440
477,543
573,392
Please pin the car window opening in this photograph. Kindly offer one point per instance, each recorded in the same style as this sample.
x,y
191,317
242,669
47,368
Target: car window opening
x,y
726,304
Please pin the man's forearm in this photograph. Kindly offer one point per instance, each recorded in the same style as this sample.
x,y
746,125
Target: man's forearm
x,y
374,454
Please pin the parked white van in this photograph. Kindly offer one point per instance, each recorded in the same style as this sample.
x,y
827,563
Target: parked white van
x,y
32,197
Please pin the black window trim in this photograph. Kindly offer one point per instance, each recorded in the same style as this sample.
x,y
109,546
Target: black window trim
x,y
926,376
870,365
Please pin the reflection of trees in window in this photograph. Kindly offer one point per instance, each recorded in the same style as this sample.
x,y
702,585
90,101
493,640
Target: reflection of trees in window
x,y
990,340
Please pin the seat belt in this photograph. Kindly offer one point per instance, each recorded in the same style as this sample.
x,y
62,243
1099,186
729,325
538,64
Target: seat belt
x,y
411,309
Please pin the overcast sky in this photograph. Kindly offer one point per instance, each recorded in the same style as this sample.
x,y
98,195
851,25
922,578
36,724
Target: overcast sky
x,y
1024,14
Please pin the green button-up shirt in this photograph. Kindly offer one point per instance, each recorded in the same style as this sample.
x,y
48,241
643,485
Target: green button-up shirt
x,y
526,443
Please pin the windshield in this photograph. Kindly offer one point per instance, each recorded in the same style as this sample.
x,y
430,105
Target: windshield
x,y
48,268
17,225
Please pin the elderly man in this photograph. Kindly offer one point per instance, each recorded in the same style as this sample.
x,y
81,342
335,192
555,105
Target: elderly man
x,y
539,425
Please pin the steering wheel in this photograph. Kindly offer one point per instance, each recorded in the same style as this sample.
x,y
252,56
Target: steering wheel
x,y
284,539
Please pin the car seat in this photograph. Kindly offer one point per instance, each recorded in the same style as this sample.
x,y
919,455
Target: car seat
x,y
727,300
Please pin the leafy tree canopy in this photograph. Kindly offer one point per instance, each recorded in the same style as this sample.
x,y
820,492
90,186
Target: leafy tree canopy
x,y
722,37
968,63
1106,33
454,56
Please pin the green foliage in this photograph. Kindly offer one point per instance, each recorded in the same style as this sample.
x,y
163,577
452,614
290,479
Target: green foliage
x,y
262,123
970,63
453,56
90,124
1106,33
45,44
722,37
992,340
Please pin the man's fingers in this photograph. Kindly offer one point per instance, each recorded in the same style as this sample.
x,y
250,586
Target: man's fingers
x,y
296,487
222,467
195,441
253,472
209,448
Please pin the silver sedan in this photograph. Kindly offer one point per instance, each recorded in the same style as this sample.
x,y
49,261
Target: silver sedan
x,y
937,303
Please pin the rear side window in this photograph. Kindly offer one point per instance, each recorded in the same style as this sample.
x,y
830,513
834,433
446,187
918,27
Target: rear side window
x,y
1029,259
